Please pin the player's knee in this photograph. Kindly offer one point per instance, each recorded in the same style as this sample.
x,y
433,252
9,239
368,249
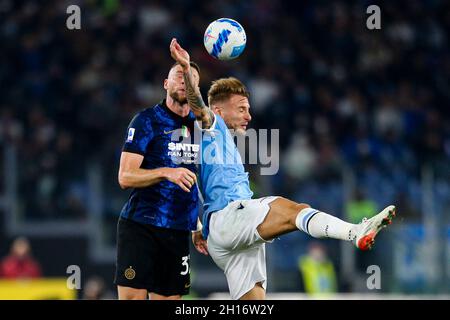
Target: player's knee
x,y
296,208
300,206
287,211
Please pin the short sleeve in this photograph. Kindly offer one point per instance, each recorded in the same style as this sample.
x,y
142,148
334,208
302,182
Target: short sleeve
x,y
139,134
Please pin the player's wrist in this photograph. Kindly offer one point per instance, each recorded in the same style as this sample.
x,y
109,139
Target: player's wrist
x,y
187,68
164,173
199,227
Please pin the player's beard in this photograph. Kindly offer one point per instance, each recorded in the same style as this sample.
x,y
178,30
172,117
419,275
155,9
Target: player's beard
x,y
178,98
240,132
237,130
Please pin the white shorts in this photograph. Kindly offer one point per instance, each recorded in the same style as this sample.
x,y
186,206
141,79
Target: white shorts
x,y
235,245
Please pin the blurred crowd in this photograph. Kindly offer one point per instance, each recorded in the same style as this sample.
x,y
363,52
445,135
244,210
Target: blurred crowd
x,y
376,101
20,263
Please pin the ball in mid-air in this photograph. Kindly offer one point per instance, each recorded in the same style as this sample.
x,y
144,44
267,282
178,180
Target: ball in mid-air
x,y
225,39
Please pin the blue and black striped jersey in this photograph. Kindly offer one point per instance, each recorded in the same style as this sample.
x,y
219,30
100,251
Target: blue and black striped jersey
x,y
165,140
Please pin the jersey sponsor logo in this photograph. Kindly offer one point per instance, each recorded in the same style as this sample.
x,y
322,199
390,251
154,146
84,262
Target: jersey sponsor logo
x,y
130,273
130,134
173,146
183,152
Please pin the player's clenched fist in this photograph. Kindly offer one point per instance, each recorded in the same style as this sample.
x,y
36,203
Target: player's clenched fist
x,y
182,177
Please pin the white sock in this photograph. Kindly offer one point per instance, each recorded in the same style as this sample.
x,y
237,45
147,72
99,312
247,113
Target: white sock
x,y
322,225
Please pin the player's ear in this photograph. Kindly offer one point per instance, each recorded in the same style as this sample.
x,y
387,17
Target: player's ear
x,y
165,83
197,77
217,110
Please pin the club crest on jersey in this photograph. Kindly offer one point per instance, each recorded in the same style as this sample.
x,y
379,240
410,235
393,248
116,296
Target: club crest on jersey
x,y
130,273
130,134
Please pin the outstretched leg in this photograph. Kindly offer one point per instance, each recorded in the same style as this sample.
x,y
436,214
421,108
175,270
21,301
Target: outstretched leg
x,y
286,216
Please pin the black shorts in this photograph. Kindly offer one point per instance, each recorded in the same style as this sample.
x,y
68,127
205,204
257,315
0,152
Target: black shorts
x,y
152,258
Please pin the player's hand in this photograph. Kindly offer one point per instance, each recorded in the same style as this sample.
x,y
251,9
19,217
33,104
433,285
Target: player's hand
x,y
199,243
179,54
182,177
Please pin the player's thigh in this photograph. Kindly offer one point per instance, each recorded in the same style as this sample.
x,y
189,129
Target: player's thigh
x,y
173,278
128,293
280,219
256,293
235,226
137,249
153,258
244,269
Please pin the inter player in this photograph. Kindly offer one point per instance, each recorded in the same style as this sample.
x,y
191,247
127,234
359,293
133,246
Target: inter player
x,y
153,228
235,225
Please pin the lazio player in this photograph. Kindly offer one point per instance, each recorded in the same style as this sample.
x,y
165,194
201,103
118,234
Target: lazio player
x,y
237,226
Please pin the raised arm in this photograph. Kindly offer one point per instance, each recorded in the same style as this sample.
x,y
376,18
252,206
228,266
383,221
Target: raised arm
x,y
195,100
194,97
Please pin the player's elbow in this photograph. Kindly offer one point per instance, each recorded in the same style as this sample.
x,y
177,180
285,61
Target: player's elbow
x,y
123,186
123,181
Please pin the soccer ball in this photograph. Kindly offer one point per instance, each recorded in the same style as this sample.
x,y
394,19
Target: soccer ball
x,y
225,39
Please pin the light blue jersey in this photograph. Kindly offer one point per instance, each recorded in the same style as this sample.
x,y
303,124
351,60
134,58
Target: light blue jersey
x,y
222,175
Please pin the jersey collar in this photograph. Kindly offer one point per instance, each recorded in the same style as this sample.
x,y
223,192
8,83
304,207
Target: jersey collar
x,y
190,115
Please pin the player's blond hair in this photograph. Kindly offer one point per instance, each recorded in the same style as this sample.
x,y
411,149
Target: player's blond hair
x,y
223,88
